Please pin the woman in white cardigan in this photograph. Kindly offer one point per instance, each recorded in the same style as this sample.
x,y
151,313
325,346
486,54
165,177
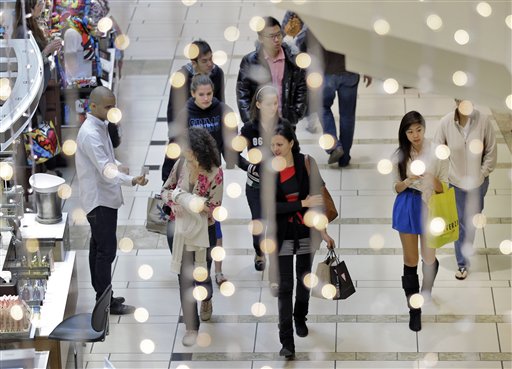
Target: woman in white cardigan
x,y
192,191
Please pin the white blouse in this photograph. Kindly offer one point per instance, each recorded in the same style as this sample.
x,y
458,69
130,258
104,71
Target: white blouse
x,y
433,165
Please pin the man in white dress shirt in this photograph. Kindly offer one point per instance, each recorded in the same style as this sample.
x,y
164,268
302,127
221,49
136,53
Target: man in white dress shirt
x,y
100,180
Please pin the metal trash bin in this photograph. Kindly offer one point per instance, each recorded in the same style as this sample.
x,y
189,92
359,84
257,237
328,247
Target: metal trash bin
x,y
48,202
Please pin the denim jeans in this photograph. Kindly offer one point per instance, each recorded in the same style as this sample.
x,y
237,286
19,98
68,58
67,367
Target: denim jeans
x,y
102,246
345,85
468,204
186,279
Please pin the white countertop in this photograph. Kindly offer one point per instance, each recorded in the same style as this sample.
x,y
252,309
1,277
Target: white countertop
x,y
30,228
54,304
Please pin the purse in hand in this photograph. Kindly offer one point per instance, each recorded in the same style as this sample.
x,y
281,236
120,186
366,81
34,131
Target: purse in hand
x,y
334,281
156,219
330,209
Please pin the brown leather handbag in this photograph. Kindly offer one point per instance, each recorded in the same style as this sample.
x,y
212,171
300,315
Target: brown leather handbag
x,y
329,208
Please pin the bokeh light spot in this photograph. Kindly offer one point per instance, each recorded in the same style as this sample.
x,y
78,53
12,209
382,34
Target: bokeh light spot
x,y
418,167
484,9
278,163
416,300
303,60
479,220
218,253
238,143
141,315
177,79
390,86
254,155
476,146
114,115
459,78
314,80
434,22
227,289
376,241
231,33
126,244
173,150
268,246
122,42
200,274
327,141
105,24
257,23
200,293
220,213
258,309
255,227
145,271
442,152
234,190
203,339
381,27
437,226
220,57
147,346
384,166
461,37
6,171
191,51
506,247
69,147
64,191
466,107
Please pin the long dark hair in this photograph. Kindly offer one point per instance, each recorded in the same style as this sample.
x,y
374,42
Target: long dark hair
x,y
204,148
287,132
31,21
404,145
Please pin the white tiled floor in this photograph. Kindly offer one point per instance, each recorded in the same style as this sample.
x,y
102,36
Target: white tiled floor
x,y
467,325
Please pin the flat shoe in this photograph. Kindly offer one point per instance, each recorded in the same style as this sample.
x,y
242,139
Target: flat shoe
x,y
219,278
121,309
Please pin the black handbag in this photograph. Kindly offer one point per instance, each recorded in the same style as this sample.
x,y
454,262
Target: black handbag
x,y
334,281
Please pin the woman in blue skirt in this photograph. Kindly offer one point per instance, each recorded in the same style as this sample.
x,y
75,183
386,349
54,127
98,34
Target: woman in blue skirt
x,y
418,173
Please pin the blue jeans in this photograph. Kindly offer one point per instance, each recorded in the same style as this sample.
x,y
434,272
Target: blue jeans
x,y
345,85
468,204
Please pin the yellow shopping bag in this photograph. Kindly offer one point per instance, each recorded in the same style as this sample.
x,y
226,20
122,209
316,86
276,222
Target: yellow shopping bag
x,y
443,221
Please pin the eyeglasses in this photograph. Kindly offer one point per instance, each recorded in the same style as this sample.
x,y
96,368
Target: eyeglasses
x,y
274,36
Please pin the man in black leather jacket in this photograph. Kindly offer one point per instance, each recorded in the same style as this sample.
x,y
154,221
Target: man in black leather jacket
x,y
272,63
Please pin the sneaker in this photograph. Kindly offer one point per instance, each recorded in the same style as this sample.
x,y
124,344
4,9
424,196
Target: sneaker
x,y
206,310
461,273
335,155
189,339
259,263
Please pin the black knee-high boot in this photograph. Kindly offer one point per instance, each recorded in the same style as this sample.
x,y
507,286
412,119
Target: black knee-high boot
x,y
429,276
411,285
299,315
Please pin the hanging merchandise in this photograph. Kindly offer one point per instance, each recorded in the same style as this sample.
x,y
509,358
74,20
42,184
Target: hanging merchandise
x,y
41,143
